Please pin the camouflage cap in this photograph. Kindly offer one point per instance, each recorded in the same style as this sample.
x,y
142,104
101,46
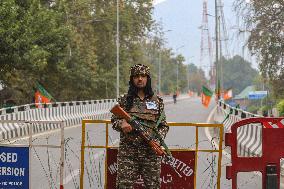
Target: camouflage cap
x,y
139,69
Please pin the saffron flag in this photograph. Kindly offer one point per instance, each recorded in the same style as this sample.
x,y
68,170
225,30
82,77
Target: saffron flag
x,y
206,96
228,94
41,95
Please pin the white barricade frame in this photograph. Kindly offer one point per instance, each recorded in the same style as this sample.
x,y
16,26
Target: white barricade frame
x,y
30,143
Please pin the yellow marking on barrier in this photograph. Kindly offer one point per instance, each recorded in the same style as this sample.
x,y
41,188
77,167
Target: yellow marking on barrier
x,y
173,124
220,156
196,155
96,146
82,154
177,124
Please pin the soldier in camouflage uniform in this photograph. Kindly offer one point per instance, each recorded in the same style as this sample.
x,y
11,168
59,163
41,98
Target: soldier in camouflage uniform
x,y
135,156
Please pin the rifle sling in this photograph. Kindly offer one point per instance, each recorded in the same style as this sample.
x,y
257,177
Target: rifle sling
x,y
157,132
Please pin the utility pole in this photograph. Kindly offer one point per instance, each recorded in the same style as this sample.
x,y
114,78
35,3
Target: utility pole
x,y
217,52
220,60
223,43
224,31
206,44
159,79
117,48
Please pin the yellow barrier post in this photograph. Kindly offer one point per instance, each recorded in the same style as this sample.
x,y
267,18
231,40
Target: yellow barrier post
x,y
220,157
197,150
82,154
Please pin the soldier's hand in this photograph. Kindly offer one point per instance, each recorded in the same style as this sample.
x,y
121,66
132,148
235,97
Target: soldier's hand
x,y
126,127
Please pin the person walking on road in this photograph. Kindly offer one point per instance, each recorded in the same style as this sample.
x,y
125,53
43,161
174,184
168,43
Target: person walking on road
x,y
135,156
175,97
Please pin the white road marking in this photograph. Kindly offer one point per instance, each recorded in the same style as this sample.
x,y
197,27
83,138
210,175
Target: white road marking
x,y
39,134
207,133
70,176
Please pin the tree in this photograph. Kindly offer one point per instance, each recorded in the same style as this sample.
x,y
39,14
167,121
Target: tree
x,y
196,78
237,73
154,47
264,19
135,22
32,41
69,46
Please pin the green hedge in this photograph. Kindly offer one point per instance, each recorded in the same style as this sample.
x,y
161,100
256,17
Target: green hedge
x,y
280,107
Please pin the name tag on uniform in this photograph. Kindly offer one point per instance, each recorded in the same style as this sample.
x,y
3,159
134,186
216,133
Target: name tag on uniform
x,y
151,106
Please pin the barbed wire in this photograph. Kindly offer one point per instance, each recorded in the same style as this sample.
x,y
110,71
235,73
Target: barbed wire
x,y
69,162
48,164
95,170
43,168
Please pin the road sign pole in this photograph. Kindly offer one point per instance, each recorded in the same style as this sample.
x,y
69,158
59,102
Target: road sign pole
x,y
30,152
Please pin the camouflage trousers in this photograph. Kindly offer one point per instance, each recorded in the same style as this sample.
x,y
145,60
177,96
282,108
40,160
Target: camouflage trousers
x,y
135,160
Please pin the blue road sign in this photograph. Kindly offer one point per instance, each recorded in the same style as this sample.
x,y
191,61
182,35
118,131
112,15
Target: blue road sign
x,y
257,95
14,167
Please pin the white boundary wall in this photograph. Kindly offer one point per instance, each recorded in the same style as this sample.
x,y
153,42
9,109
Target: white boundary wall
x,y
70,112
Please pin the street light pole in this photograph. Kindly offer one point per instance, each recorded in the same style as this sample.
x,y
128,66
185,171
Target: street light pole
x,y
187,77
160,60
220,58
177,78
177,65
117,48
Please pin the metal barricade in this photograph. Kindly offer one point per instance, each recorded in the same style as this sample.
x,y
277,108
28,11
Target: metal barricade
x,y
269,162
16,159
110,168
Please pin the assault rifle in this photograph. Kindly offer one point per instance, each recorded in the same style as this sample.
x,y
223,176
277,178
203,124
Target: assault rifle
x,y
139,128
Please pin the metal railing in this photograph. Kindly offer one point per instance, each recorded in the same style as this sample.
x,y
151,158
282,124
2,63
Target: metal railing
x,y
70,112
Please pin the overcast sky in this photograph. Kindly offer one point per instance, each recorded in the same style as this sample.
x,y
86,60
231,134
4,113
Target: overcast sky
x,y
158,1
184,17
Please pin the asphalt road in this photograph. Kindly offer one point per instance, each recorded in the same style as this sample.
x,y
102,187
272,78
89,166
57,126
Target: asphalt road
x,y
45,161
191,110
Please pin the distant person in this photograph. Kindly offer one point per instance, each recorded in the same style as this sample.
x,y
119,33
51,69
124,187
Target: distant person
x,y
175,97
135,157
265,113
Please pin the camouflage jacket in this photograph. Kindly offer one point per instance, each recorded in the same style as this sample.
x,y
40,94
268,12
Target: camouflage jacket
x,y
147,111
